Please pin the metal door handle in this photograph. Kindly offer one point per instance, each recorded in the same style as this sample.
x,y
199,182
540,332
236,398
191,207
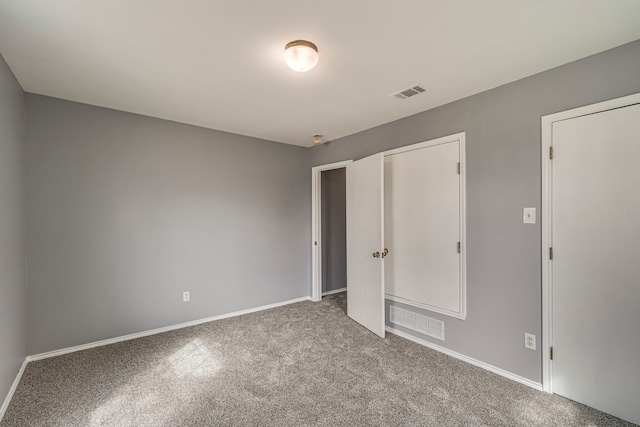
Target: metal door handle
x,y
385,252
376,254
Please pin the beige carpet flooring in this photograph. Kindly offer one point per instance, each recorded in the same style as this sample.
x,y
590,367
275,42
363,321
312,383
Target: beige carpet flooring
x,y
304,364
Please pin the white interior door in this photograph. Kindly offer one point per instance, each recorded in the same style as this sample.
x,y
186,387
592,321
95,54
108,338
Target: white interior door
x,y
596,253
365,238
422,226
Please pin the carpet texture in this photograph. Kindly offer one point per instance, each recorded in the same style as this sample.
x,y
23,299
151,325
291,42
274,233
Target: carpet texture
x,y
298,365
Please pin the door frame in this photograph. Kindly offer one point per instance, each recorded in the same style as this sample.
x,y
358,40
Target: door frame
x,y
547,218
316,225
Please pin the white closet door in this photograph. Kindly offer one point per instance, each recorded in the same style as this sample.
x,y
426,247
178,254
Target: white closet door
x,y
422,221
596,254
365,273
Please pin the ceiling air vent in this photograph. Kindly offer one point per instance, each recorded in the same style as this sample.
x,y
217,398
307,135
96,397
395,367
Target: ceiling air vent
x,y
408,93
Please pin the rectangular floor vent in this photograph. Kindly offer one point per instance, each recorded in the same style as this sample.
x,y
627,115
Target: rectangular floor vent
x,y
417,322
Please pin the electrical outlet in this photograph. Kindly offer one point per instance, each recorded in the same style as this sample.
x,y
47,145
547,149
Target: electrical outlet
x,y
186,297
529,341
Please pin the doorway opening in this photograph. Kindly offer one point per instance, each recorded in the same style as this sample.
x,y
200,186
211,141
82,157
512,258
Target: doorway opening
x,y
329,230
333,218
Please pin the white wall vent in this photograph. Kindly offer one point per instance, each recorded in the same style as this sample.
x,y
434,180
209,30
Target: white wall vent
x,y
417,322
409,92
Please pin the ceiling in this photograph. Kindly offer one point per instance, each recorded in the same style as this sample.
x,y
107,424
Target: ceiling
x,y
218,64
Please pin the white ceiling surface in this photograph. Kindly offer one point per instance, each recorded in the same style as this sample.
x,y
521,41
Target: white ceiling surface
x,y
218,64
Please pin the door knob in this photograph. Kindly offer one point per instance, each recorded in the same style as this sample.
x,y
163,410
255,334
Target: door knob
x,y
385,252
376,254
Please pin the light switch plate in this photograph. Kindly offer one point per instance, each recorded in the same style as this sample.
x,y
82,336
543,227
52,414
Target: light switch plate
x,y
529,215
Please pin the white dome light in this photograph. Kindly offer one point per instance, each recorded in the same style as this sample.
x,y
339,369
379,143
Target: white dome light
x,y
301,55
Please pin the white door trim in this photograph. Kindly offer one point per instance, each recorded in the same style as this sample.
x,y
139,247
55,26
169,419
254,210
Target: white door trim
x,y
546,218
316,226
430,143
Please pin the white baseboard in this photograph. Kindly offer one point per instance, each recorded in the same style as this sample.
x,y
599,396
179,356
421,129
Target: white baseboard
x,y
335,291
467,359
12,390
62,351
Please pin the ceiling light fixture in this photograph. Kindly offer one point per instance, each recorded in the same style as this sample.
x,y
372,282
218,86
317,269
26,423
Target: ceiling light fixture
x,y
317,139
301,55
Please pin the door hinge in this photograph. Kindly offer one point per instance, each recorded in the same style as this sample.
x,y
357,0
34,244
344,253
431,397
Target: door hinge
x,y
458,168
551,153
458,247
551,253
551,353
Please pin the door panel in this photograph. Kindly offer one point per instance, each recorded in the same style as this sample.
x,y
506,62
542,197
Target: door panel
x,y
596,249
422,223
365,274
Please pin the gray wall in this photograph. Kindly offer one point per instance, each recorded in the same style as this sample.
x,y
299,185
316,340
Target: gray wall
x,y
503,176
13,329
334,229
125,212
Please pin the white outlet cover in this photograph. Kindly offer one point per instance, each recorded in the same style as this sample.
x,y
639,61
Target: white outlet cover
x,y
530,341
529,215
186,296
